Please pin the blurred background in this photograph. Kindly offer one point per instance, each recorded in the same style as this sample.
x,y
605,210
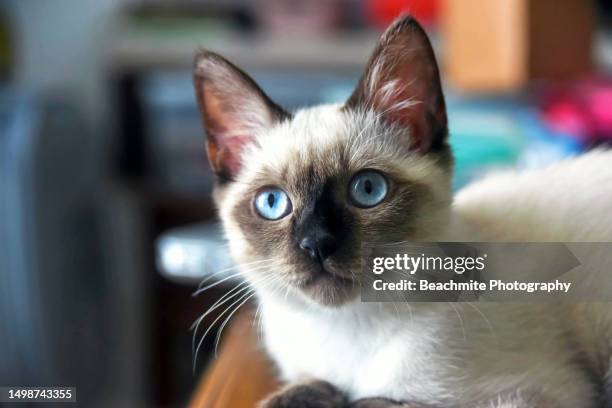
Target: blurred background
x,y
106,220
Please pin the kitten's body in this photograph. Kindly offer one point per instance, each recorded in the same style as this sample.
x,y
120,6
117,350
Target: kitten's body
x,y
569,201
308,253
455,354
442,355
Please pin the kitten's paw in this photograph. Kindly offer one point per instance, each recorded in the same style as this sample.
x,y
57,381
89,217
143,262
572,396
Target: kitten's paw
x,y
384,403
313,394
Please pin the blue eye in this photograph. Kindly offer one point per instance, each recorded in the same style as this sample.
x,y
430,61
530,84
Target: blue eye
x,y
272,203
368,188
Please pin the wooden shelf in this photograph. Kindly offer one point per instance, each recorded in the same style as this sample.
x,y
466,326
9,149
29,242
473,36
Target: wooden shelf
x,y
176,49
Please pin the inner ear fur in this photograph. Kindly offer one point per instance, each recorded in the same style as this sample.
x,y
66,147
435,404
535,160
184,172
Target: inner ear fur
x,y
234,111
401,83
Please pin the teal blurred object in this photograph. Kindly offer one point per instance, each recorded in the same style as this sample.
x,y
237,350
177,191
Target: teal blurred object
x,y
490,134
482,139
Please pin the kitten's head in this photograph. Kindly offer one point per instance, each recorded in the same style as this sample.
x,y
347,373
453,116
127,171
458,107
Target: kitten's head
x,y
300,192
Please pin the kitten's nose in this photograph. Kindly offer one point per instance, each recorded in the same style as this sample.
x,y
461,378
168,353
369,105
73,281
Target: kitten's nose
x,y
319,247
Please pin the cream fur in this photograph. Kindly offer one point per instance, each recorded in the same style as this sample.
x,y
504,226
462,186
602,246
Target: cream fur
x,y
567,201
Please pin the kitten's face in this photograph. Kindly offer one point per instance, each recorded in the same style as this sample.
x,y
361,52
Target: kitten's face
x,y
298,194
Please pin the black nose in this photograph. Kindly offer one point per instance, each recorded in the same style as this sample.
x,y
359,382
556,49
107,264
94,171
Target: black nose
x,y
319,247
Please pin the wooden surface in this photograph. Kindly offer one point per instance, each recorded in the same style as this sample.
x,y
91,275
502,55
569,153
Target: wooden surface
x,y
241,375
485,45
502,45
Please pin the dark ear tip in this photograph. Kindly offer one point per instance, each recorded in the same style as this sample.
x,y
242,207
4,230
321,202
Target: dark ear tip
x,y
405,22
404,19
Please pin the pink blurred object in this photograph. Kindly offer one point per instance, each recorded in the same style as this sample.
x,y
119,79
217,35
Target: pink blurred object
x,y
583,110
302,17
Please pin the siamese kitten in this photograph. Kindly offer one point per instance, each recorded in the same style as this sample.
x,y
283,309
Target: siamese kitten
x,y
298,192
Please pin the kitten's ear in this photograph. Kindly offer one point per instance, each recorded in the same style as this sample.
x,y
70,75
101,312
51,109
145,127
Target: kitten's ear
x,y
401,83
234,109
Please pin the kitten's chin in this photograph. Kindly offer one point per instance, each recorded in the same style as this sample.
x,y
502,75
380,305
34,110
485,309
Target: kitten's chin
x,y
327,289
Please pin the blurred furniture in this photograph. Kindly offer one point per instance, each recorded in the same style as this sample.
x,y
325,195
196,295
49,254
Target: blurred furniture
x,y
143,200
50,267
501,45
190,254
242,375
